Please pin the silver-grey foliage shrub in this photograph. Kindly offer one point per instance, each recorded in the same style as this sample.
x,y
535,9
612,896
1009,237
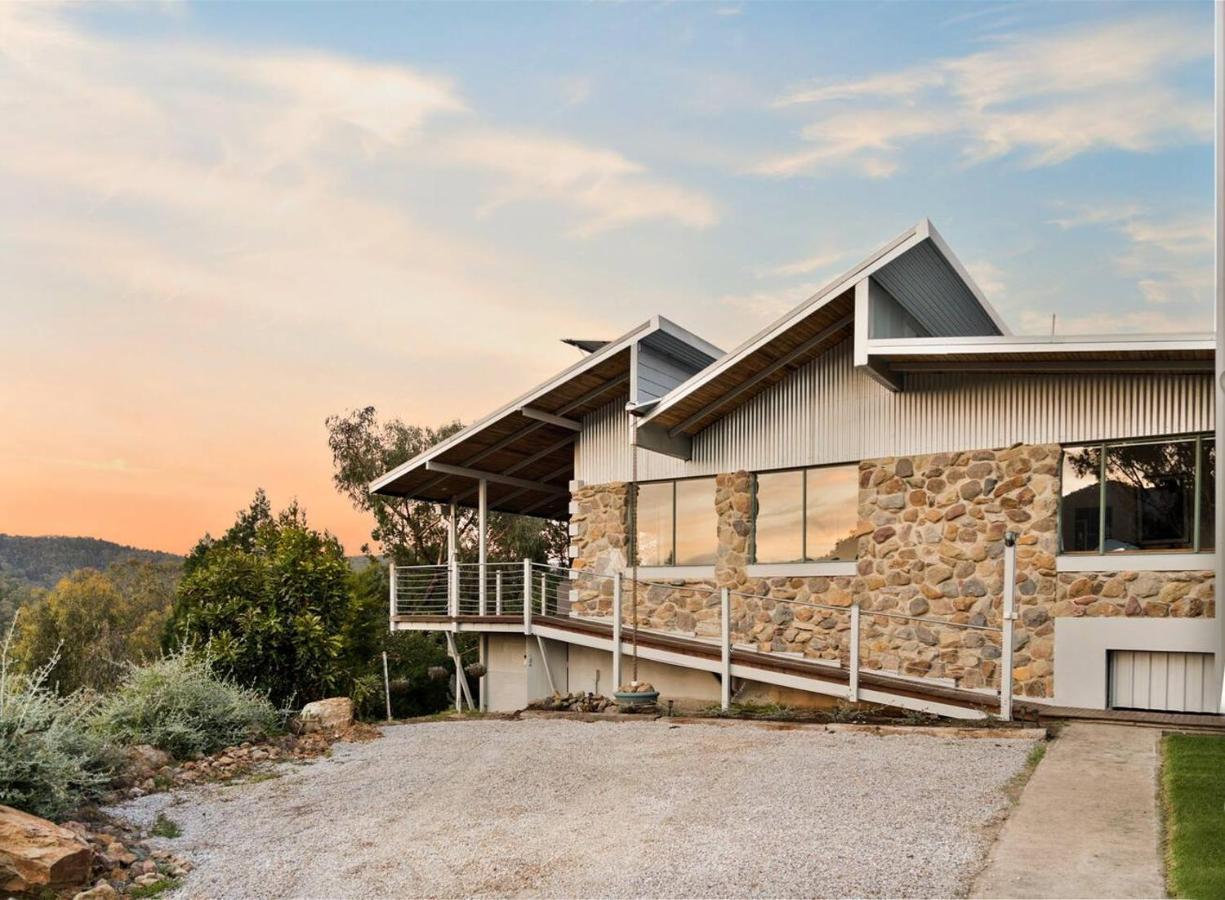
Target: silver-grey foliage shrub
x,y
51,760
181,705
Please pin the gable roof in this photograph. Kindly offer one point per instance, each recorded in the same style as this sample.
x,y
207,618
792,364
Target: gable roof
x,y
524,450
917,268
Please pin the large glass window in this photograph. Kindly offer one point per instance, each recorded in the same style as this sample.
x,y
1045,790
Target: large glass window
x,y
676,521
806,515
653,515
1138,495
778,521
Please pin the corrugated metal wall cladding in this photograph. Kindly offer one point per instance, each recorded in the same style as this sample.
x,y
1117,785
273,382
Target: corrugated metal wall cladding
x,y
925,282
829,412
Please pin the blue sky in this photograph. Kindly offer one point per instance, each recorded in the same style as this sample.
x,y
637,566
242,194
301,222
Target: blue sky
x,y
225,221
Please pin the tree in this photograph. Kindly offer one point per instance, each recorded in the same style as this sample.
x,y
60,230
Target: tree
x,y
14,594
98,622
410,654
414,532
269,600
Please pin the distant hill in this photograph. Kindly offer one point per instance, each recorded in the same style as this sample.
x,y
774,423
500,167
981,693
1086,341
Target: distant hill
x,y
42,561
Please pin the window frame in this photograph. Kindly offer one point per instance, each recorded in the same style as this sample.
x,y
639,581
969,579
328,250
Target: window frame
x,y
805,559
672,483
1103,448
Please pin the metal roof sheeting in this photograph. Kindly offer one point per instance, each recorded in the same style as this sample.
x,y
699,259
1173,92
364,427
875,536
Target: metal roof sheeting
x,y
828,411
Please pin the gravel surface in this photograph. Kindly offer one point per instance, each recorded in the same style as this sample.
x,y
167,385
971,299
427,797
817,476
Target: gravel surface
x,y
565,808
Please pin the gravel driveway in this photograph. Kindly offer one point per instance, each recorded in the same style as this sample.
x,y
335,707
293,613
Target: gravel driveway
x,y
565,808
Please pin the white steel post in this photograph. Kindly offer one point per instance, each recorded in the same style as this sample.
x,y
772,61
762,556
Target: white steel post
x,y
544,594
1219,365
387,685
725,638
452,563
481,682
391,595
497,592
853,673
527,596
1009,614
482,494
616,628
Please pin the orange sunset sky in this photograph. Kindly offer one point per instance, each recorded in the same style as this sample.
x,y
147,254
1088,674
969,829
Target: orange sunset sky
x,y
221,223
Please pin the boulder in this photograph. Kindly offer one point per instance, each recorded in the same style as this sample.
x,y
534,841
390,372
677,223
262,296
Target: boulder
x,y
36,853
332,714
147,758
101,891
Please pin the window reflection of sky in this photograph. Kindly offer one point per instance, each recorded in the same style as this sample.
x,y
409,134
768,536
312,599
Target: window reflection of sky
x,y
697,528
779,524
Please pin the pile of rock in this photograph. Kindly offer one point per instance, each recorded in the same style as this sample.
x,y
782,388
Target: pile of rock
x,y
39,856
319,726
580,702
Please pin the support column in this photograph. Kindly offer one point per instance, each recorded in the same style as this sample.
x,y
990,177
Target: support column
x,y
482,493
1219,369
616,632
725,639
483,681
452,561
1008,615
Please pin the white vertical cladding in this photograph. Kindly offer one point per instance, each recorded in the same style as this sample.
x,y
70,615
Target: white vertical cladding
x,y
828,411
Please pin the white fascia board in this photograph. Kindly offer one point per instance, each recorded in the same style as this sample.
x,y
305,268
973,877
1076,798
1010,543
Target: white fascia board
x,y
881,257
592,359
661,323
963,273
1029,343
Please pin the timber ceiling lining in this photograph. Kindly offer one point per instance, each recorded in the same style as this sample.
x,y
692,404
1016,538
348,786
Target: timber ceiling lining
x,y
728,383
521,447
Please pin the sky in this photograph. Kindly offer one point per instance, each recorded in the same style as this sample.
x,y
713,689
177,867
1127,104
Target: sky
x,y
221,223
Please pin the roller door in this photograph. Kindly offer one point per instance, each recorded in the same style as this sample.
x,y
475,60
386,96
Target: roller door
x,y
1171,682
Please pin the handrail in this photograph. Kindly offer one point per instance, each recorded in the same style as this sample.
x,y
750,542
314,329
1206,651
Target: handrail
x,y
536,589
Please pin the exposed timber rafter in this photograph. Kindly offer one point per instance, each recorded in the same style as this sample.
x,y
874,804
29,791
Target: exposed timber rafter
x,y
493,477
786,360
578,402
550,419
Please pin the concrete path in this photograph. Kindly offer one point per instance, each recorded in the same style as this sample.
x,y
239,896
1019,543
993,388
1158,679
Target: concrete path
x,y
1086,824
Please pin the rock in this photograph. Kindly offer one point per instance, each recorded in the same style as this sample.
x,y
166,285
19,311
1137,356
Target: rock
x,y
37,853
100,891
332,714
147,759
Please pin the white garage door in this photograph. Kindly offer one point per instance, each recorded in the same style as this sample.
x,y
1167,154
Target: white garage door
x,y
1176,682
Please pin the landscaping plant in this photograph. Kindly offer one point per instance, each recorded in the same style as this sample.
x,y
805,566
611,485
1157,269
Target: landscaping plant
x,y
51,760
182,705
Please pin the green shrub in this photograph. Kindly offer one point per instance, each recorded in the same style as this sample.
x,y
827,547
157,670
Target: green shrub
x,y
181,705
51,761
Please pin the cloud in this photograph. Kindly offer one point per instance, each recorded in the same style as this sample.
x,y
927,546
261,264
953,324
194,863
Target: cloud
x,y
1135,322
1170,257
989,277
611,190
767,305
1045,96
806,266
207,250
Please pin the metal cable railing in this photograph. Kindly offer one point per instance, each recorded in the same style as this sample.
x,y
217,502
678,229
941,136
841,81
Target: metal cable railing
x,y
959,650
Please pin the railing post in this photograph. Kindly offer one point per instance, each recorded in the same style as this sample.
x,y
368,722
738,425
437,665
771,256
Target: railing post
x,y
453,588
1009,615
853,673
725,639
497,592
452,561
482,542
391,595
616,629
527,596
544,594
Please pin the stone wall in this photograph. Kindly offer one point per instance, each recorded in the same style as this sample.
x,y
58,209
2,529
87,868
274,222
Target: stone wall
x,y
931,547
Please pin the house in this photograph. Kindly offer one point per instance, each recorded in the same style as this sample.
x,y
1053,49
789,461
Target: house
x,y
883,496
